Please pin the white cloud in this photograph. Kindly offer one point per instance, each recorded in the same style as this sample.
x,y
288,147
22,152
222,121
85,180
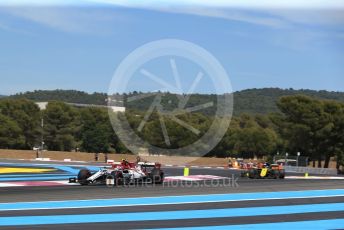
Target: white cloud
x,y
290,18
246,4
311,17
8,27
276,13
286,16
48,17
232,15
68,19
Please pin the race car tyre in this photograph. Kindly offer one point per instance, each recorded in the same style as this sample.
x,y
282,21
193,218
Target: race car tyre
x,y
253,174
281,174
157,176
118,176
244,174
83,175
274,174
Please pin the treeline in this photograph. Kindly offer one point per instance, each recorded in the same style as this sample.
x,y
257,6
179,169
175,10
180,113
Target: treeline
x,y
264,101
251,101
63,127
70,96
303,124
315,128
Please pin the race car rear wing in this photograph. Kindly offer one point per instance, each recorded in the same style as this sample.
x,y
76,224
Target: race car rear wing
x,y
149,164
142,164
146,163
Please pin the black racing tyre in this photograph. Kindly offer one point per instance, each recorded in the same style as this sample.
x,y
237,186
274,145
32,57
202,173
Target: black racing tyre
x,y
118,177
157,176
253,174
244,173
281,174
274,174
83,175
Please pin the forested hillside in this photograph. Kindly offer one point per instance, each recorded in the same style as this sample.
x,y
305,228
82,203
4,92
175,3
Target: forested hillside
x,y
263,101
71,96
312,127
251,101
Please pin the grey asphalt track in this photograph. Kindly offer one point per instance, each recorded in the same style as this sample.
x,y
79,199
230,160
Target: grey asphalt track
x,y
188,222
17,194
235,185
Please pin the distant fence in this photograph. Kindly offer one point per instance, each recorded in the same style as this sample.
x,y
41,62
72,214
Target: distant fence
x,y
324,171
300,161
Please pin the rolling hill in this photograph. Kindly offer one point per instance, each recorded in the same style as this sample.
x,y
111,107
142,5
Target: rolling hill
x,y
251,101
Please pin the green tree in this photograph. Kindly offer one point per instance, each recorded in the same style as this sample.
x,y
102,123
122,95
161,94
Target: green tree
x,y
248,136
333,132
62,122
97,133
312,126
10,133
27,116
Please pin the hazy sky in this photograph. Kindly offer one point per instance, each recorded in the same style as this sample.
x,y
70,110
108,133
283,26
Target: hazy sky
x,y
80,46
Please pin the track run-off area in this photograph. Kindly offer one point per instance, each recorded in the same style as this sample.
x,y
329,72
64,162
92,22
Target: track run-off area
x,y
37,196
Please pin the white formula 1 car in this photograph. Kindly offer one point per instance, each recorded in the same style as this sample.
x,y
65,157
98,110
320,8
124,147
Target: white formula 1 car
x,y
122,173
